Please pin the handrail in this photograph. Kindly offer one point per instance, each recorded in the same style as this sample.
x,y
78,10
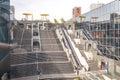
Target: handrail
x,y
102,50
69,46
87,34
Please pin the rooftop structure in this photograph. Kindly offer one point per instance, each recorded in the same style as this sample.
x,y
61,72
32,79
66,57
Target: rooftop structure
x,y
95,5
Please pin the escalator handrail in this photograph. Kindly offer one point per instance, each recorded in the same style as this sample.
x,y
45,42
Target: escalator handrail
x,y
71,48
88,34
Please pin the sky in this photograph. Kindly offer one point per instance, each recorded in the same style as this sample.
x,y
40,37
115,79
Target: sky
x,y
55,8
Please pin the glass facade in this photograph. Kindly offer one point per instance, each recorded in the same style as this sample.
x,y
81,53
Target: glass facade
x,y
4,20
104,26
4,38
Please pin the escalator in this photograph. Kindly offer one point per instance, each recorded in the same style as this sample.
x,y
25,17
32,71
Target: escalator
x,y
104,51
87,34
68,45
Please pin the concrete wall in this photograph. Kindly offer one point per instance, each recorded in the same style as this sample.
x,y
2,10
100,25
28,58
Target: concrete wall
x,y
117,67
111,63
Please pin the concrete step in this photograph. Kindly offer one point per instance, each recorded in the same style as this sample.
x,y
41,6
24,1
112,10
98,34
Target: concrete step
x,y
44,68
